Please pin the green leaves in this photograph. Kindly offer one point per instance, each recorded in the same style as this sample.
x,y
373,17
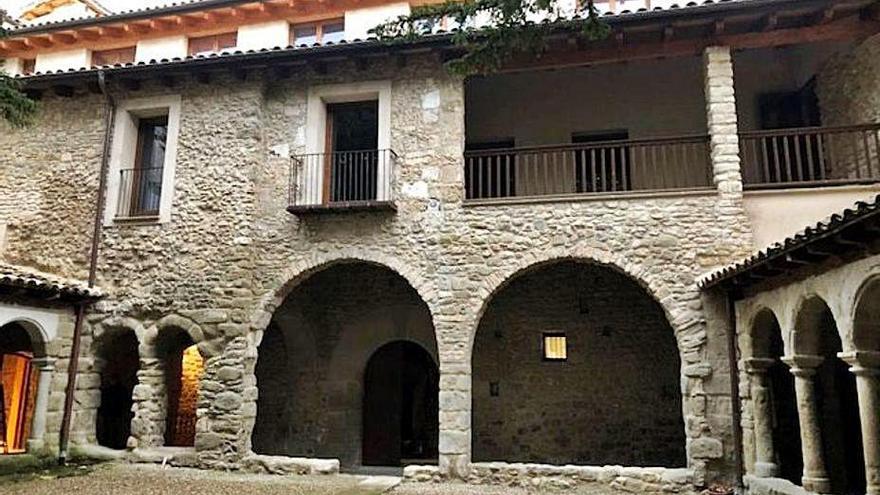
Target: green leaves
x,y
492,32
15,107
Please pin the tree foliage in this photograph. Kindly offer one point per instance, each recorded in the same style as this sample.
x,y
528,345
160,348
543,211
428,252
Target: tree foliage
x,y
15,107
492,32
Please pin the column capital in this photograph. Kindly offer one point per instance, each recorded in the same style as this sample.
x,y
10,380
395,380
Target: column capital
x,y
44,364
758,366
862,362
802,364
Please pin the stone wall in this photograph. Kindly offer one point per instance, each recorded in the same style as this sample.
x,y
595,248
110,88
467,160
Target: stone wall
x,y
231,253
592,408
848,86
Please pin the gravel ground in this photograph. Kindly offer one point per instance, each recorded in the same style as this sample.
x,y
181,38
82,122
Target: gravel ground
x,y
121,479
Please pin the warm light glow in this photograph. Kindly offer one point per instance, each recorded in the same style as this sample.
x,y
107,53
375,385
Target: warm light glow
x,y
555,348
192,369
19,387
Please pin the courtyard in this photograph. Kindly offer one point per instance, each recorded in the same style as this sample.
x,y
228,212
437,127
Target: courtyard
x,y
132,479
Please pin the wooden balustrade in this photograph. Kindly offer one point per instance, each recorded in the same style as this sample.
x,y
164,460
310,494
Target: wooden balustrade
x,y
621,166
810,156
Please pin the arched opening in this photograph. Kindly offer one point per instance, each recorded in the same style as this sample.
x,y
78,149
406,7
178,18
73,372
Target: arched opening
x,y
184,367
866,325
18,388
574,362
836,396
312,363
401,386
118,358
767,343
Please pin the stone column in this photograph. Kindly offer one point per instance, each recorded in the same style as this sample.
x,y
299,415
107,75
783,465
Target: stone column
x,y
455,419
721,120
815,478
866,367
765,455
45,366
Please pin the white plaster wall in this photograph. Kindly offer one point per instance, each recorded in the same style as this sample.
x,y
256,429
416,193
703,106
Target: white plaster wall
x,y
159,48
777,214
11,66
358,22
655,98
63,60
264,35
45,320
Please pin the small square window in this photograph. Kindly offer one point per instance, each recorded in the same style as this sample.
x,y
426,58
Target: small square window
x,y
28,65
555,347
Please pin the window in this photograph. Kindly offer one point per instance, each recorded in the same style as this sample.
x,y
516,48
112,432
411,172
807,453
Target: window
x,y
28,66
600,166
213,43
142,160
142,184
318,33
490,172
555,347
101,58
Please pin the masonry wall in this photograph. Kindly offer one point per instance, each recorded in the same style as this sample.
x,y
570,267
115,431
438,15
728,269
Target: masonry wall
x,y
616,400
231,253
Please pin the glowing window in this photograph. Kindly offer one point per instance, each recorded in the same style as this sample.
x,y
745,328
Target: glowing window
x,y
555,347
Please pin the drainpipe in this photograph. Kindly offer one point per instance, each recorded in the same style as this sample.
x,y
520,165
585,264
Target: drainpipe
x,y
735,411
79,308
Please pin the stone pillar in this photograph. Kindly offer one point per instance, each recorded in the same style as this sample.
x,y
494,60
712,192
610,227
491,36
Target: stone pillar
x,y
38,426
866,367
815,478
765,455
455,419
721,120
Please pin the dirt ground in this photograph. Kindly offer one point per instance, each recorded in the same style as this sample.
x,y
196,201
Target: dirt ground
x,y
123,479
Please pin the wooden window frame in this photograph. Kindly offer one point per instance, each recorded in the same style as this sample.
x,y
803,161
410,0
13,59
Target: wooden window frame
x,y
117,54
28,66
319,29
215,43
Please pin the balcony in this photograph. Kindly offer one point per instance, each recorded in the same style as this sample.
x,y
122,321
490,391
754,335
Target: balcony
x,y
342,181
811,157
601,168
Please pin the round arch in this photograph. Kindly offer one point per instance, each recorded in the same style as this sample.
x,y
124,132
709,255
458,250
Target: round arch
x,y
811,314
763,329
116,349
679,317
35,332
619,328
866,316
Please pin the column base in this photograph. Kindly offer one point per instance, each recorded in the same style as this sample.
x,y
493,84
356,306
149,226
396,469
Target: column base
x,y
873,490
766,470
816,485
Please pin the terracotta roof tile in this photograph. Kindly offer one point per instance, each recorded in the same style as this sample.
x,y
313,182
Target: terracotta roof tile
x,y
29,278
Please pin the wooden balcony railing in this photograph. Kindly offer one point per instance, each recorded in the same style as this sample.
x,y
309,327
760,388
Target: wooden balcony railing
x,y
342,180
811,156
636,165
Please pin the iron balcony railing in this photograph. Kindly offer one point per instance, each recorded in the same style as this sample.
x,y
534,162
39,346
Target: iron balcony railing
x,y
342,178
621,166
811,156
140,192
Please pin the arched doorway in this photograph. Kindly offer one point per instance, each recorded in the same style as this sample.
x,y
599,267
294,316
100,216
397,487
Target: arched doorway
x,y
767,343
574,362
836,397
117,361
400,414
184,367
18,388
314,353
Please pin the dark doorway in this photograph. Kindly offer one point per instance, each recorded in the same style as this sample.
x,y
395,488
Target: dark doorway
x,y
401,385
839,412
786,427
353,140
118,378
791,110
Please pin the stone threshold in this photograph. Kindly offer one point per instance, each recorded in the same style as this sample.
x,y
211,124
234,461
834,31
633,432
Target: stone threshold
x,y
631,479
772,486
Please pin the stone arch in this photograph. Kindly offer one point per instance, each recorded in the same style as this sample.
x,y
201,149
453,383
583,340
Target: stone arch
x,y
810,314
333,366
115,351
677,314
760,327
866,316
592,330
300,271
37,334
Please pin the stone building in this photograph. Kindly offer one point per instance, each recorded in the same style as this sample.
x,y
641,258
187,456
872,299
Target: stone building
x,y
305,250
